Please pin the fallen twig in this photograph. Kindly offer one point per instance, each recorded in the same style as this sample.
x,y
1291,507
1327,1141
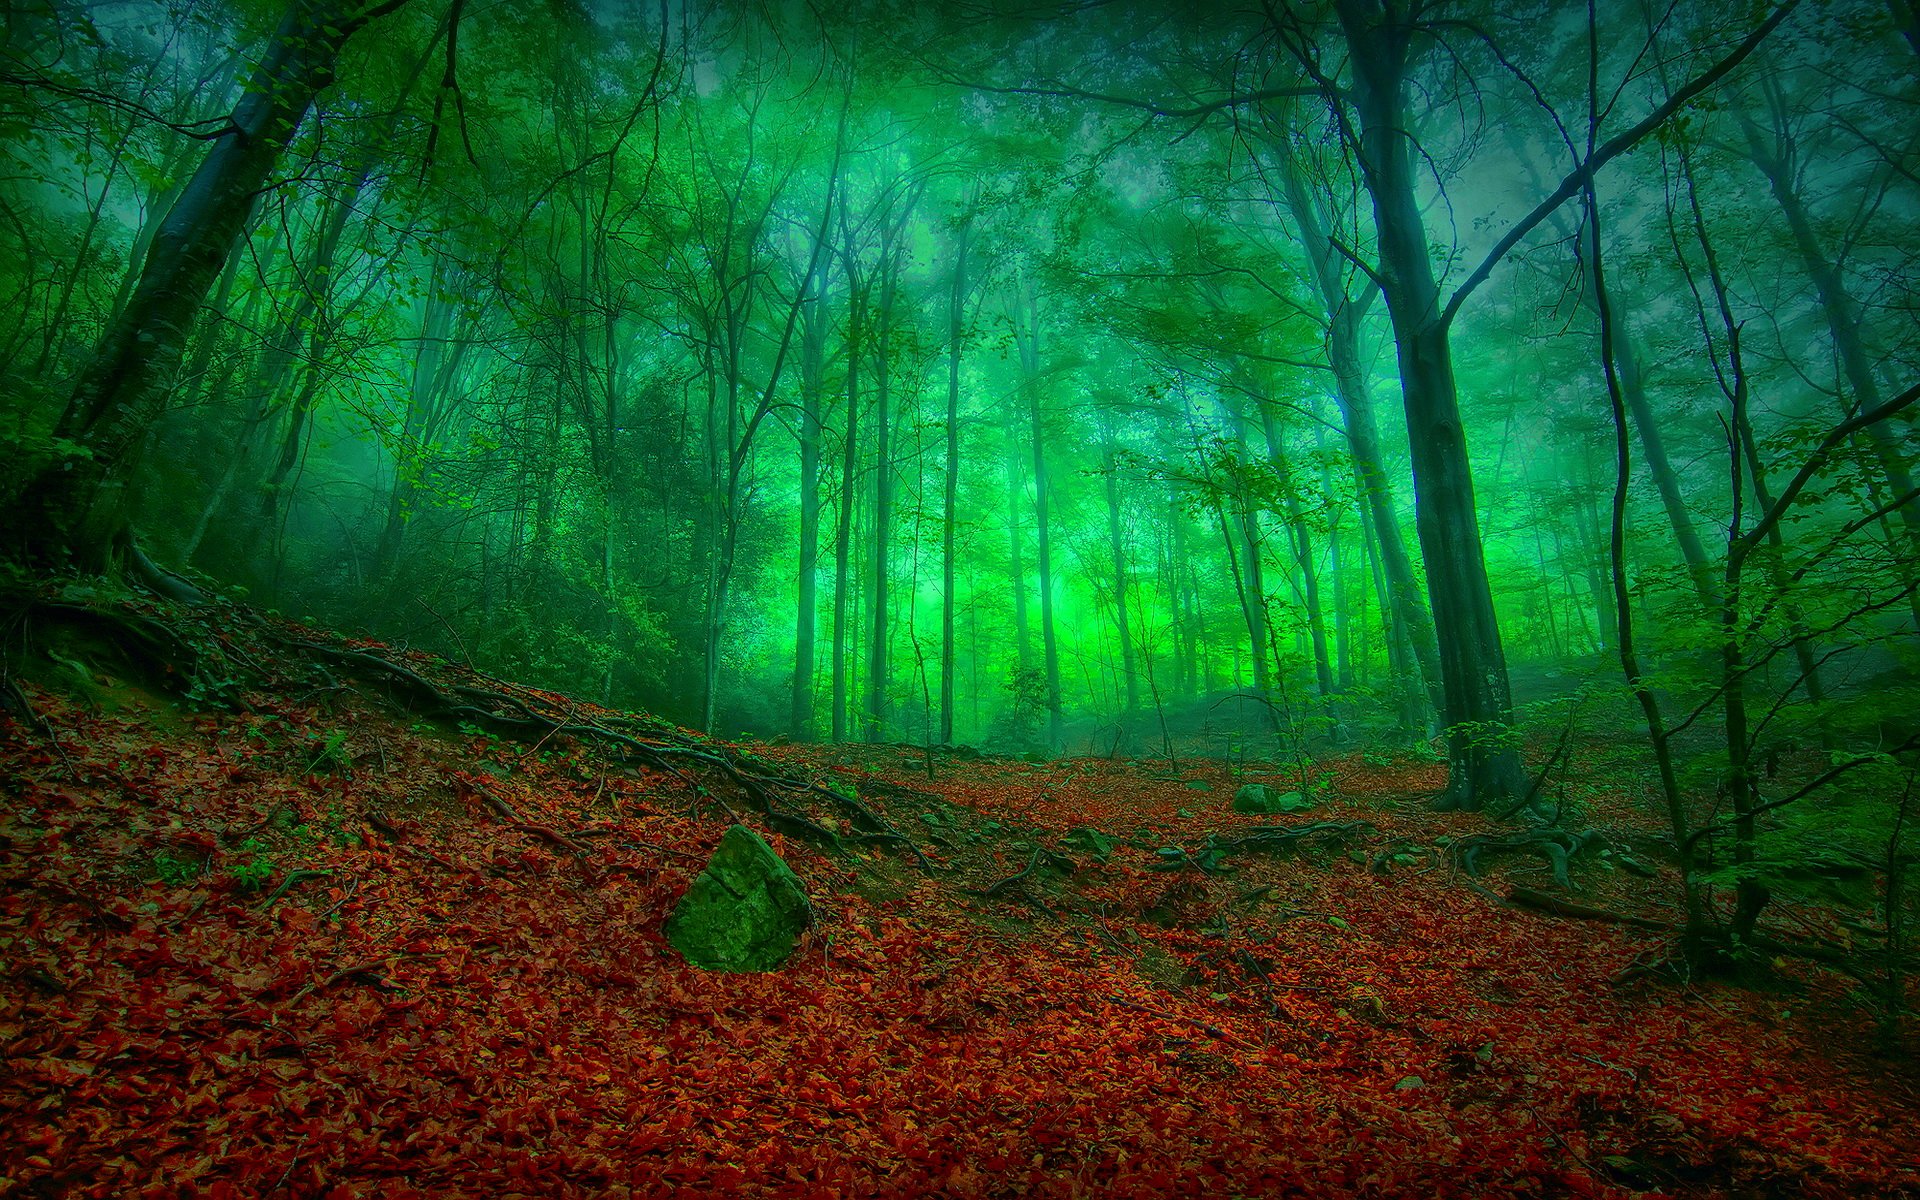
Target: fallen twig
x,y
293,879
357,969
1212,1031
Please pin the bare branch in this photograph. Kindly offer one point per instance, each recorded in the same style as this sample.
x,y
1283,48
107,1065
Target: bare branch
x,y
1609,150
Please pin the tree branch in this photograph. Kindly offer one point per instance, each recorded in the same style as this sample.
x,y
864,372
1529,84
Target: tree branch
x,y
1609,150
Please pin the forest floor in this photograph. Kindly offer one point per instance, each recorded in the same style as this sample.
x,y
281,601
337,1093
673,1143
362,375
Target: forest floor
x,y
316,945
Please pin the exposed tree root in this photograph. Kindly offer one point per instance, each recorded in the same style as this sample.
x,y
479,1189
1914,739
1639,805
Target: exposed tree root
x,y
1012,881
176,640
1015,885
1547,902
662,747
1287,837
1211,857
293,880
1556,846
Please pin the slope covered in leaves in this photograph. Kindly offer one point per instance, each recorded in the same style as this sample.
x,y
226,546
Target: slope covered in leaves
x,y
314,945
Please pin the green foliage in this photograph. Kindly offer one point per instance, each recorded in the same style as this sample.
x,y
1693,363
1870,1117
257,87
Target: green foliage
x,y
177,867
1489,736
329,753
1018,724
250,874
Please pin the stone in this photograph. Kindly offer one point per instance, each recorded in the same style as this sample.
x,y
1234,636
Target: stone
x,y
744,912
1259,798
1083,837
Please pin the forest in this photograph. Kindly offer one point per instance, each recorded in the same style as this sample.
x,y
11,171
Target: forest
x,y
1074,597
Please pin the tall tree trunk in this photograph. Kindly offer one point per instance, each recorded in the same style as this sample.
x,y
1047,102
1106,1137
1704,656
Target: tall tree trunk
x,y
843,543
1246,584
1342,615
1666,480
1302,544
1406,610
1029,339
1016,563
1594,557
877,665
1646,425
1043,554
1249,569
1623,607
1186,669
956,320
812,373
1483,764
1118,545
81,504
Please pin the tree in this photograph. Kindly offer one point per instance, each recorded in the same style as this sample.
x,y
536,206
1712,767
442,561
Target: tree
x,y
80,503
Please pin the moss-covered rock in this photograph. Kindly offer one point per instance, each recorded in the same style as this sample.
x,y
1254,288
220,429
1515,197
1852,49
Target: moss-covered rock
x,y
1084,837
1259,798
744,912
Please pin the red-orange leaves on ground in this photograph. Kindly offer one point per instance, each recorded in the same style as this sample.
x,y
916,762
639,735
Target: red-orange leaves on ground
x,y
238,964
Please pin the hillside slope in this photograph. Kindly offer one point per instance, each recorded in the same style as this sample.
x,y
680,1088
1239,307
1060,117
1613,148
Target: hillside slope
x,y
292,916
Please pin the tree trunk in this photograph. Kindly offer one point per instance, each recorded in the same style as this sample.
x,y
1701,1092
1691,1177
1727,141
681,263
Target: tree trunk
x,y
877,665
1043,543
1408,613
1016,564
1118,544
1246,584
1666,480
956,314
843,543
1302,544
812,372
1484,765
1342,616
81,504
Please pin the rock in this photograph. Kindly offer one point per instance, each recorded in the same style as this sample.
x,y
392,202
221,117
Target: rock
x,y
1091,840
744,912
1199,785
1259,798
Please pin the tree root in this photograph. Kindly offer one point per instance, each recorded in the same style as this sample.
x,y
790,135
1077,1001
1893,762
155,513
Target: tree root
x,y
1276,837
1016,884
1556,846
662,750
1546,902
1013,880
527,717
